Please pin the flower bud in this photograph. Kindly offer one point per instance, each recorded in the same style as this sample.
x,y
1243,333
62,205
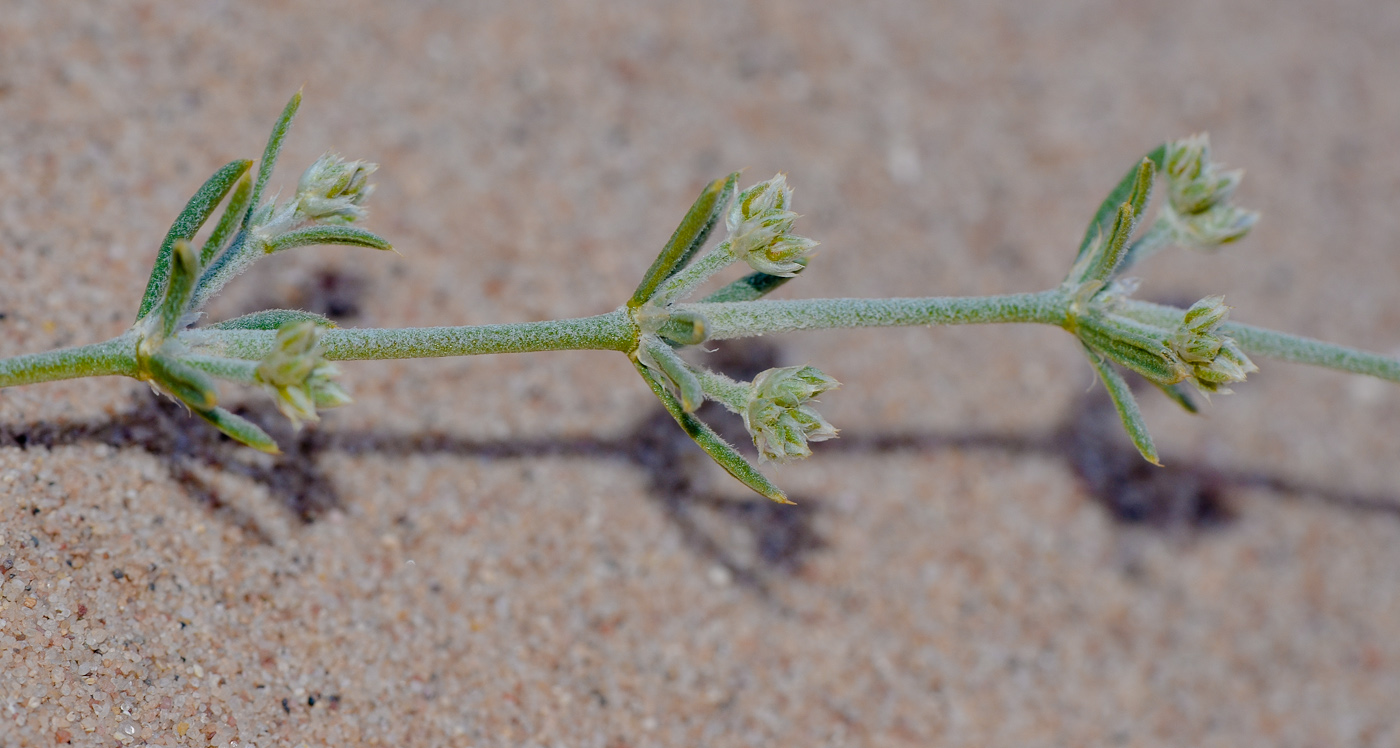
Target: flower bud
x,y
301,379
1215,360
332,189
777,416
759,224
1198,211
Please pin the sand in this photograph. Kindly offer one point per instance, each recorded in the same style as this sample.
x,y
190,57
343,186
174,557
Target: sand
x,y
523,550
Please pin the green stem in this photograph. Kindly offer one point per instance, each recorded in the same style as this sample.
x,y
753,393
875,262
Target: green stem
x,y
750,318
689,278
115,357
613,331
1258,341
723,390
233,369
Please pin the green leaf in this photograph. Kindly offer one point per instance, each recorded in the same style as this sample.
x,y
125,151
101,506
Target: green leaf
x,y
678,371
240,429
751,287
187,224
718,449
683,327
184,271
229,222
688,237
1179,395
1126,405
1108,209
1105,263
271,319
1150,363
271,152
190,385
312,235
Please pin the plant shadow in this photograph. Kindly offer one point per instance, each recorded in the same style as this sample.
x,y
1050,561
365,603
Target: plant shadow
x,y
772,540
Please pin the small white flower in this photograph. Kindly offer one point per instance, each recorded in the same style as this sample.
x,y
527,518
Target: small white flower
x,y
777,415
301,380
759,223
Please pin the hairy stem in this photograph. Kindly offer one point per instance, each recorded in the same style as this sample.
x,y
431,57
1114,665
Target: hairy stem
x,y
613,331
115,357
750,318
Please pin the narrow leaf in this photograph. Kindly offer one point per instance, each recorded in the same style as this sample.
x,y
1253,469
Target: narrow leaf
x,y
190,385
684,328
688,237
184,271
1110,253
718,449
676,369
240,429
751,287
1126,405
271,319
229,222
270,153
187,224
1103,220
312,235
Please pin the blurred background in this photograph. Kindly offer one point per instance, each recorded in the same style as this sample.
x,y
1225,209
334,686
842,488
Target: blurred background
x,y
523,550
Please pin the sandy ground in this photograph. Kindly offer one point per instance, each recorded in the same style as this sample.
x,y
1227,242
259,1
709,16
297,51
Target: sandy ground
x,y
522,550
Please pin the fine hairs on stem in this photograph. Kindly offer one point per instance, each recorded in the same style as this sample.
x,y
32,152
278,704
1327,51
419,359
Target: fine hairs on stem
x,y
1185,353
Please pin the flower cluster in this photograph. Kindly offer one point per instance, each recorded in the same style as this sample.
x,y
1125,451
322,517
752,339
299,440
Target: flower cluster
x,y
1199,213
330,191
759,226
777,414
1215,360
299,376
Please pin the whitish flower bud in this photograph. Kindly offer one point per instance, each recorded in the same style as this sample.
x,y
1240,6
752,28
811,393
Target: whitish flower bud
x,y
759,223
1199,213
1215,359
332,189
777,414
301,380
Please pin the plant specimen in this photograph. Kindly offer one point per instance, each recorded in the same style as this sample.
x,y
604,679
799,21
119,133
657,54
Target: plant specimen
x,y
290,353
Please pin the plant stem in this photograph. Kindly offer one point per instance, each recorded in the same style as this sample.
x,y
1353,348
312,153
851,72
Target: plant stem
x,y
613,331
1259,341
682,283
112,357
750,318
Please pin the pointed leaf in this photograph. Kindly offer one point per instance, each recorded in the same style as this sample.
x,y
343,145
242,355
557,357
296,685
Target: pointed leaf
x,y
718,449
184,271
240,429
229,222
678,371
685,327
188,384
187,224
312,235
271,152
271,319
1126,405
1108,209
688,237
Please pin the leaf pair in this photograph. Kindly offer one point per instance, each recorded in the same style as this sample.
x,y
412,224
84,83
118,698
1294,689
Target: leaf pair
x,y
687,240
1104,253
